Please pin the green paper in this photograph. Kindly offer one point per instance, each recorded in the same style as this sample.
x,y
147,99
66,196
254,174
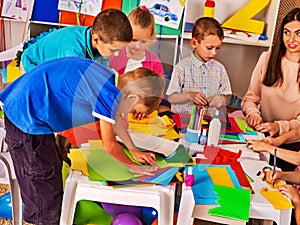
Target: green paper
x,y
179,158
102,166
234,203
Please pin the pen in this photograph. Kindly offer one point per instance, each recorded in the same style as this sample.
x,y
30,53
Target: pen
x,y
274,165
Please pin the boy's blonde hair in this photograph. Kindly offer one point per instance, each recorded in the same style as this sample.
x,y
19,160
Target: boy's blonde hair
x,y
144,83
142,17
207,26
112,25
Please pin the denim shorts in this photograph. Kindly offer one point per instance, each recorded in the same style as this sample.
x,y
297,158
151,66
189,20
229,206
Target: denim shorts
x,y
38,164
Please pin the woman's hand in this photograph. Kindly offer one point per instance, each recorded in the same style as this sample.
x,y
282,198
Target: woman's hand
x,y
259,146
272,178
290,192
272,128
253,120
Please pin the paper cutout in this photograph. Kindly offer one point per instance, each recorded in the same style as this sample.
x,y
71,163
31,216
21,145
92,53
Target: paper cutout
x,y
278,201
220,176
79,162
235,208
242,20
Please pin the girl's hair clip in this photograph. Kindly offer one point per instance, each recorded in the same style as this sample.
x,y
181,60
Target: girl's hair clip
x,y
143,7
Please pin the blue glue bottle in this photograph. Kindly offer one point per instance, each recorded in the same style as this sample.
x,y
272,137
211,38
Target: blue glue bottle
x,y
203,137
189,177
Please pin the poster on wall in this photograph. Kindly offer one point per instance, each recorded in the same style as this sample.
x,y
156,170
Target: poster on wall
x,y
17,9
88,7
166,12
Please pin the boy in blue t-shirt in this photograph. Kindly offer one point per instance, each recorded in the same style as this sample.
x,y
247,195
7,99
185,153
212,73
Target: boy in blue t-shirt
x,y
61,94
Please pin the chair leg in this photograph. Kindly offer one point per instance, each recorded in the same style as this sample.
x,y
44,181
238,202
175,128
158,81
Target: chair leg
x,y
17,209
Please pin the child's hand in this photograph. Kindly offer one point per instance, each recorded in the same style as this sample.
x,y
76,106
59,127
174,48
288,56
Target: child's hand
x,y
290,192
272,128
270,178
253,120
143,157
139,115
145,170
198,98
216,101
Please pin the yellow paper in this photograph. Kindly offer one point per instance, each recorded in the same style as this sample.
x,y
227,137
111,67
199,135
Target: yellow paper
x,y
95,144
79,163
277,183
278,201
220,176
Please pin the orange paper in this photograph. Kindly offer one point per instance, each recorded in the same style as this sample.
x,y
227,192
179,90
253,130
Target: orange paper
x,y
220,176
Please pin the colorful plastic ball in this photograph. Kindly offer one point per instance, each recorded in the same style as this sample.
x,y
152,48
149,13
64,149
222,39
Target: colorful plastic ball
x,y
6,206
149,215
89,212
116,209
126,219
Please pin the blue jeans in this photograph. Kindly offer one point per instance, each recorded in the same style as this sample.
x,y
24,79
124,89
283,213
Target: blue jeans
x,y
38,164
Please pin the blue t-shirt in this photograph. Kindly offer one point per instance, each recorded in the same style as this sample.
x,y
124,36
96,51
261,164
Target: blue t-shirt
x,y
67,41
60,94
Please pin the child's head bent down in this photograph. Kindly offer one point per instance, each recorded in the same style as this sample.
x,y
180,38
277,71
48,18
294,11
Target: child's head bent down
x,y
141,91
207,37
111,32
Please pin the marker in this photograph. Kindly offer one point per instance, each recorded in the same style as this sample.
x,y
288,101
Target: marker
x,y
274,166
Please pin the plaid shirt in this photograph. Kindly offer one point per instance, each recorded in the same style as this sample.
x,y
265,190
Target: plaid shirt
x,y
191,74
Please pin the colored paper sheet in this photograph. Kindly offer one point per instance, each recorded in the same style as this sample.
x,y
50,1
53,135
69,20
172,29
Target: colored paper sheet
x,y
220,176
232,139
79,162
278,201
179,158
162,177
203,185
236,207
102,166
277,183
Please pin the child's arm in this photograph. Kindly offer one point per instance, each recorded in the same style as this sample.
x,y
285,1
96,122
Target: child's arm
x,y
115,149
287,155
291,176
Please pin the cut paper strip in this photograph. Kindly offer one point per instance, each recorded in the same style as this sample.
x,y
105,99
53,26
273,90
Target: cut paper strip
x,y
220,176
278,201
237,207
78,161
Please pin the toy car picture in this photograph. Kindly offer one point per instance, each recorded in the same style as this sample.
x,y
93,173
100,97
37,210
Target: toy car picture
x,y
163,12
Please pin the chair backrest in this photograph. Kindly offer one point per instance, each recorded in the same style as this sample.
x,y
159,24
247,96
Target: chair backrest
x,y
3,145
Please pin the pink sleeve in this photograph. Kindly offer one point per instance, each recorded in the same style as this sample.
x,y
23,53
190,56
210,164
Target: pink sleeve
x,y
252,98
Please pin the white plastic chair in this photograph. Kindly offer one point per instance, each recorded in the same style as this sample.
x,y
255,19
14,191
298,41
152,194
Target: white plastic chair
x,y
9,177
78,187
